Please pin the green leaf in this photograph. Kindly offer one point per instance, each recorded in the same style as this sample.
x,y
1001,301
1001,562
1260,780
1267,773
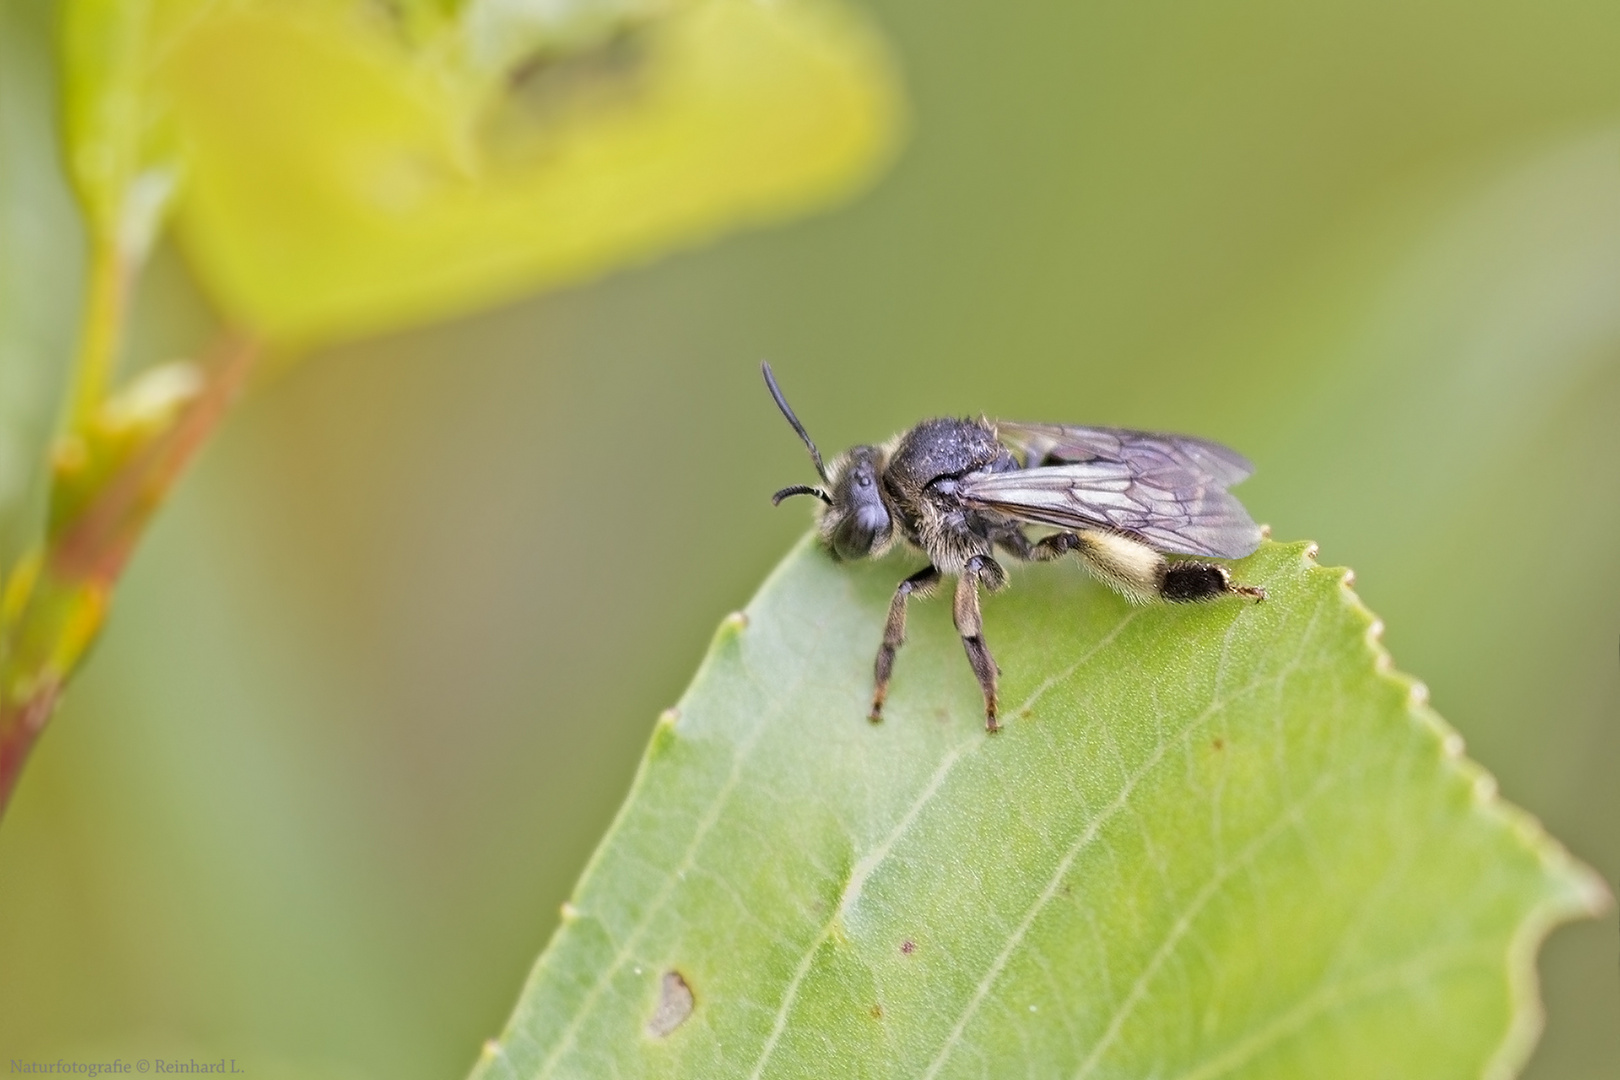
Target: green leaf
x,y
1214,840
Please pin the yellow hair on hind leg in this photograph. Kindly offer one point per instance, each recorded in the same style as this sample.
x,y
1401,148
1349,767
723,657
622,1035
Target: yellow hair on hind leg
x,y
1127,566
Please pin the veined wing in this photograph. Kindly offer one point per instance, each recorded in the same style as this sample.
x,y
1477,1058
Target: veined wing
x,y
1149,452
1168,489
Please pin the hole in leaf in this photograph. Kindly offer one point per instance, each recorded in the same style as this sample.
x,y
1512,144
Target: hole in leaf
x,y
674,1006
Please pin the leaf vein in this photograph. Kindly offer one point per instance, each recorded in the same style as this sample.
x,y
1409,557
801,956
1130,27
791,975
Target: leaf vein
x,y
875,858
1056,880
1293,816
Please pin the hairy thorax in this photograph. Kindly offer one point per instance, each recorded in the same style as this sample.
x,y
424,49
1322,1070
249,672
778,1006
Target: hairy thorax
x,y
920,479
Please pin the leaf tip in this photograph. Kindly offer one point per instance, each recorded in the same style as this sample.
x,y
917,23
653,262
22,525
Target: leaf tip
x,y
1569,890
1584,895
1573,890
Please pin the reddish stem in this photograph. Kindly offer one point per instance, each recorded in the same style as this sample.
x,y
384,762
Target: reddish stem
x,y
85,559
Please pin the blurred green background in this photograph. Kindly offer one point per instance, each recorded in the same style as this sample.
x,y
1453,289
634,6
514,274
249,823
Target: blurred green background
x,y
379,677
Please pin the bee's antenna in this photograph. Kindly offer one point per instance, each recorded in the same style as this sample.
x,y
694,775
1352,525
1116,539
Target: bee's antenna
x,y
800,489
815,455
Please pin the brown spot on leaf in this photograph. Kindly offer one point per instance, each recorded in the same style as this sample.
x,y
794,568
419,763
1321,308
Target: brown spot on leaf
x,y
908,946
877,1012
674,1006
1219,744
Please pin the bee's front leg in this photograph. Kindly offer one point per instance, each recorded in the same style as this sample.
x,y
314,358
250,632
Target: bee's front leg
x,y
894,633
970,624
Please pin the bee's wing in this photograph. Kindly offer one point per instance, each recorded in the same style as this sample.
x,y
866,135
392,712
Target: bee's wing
x,y
1168,489
1068,444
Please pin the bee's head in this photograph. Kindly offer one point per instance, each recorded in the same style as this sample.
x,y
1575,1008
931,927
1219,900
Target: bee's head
x,y
854,523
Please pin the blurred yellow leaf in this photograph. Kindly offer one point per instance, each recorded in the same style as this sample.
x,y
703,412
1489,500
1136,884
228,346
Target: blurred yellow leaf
x,y
119,147
348,172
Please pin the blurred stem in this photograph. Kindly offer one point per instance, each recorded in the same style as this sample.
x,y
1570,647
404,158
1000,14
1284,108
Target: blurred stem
x,y
106,300
56,599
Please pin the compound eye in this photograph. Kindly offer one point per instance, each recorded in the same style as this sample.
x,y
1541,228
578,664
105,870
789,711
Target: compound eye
x,y
866,527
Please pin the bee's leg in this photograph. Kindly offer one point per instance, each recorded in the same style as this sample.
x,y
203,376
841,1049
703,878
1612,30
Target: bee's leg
x,y
971,626
1018,545
894,633
1142,575
1185,581
1052,547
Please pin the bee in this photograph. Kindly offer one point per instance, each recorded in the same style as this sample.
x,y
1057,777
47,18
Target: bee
x,y
958,490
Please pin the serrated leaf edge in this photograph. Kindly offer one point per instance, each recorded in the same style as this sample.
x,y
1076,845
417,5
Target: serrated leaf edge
x,y
1585,893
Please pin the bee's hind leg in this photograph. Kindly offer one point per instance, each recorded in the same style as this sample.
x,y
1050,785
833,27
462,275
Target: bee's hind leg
x,y
970,625
1018,545
894,633
1046,549
1188,581
1133,569
1143,575
1052,547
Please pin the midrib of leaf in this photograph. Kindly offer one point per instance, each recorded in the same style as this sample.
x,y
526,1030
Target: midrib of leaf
x,y
903,827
